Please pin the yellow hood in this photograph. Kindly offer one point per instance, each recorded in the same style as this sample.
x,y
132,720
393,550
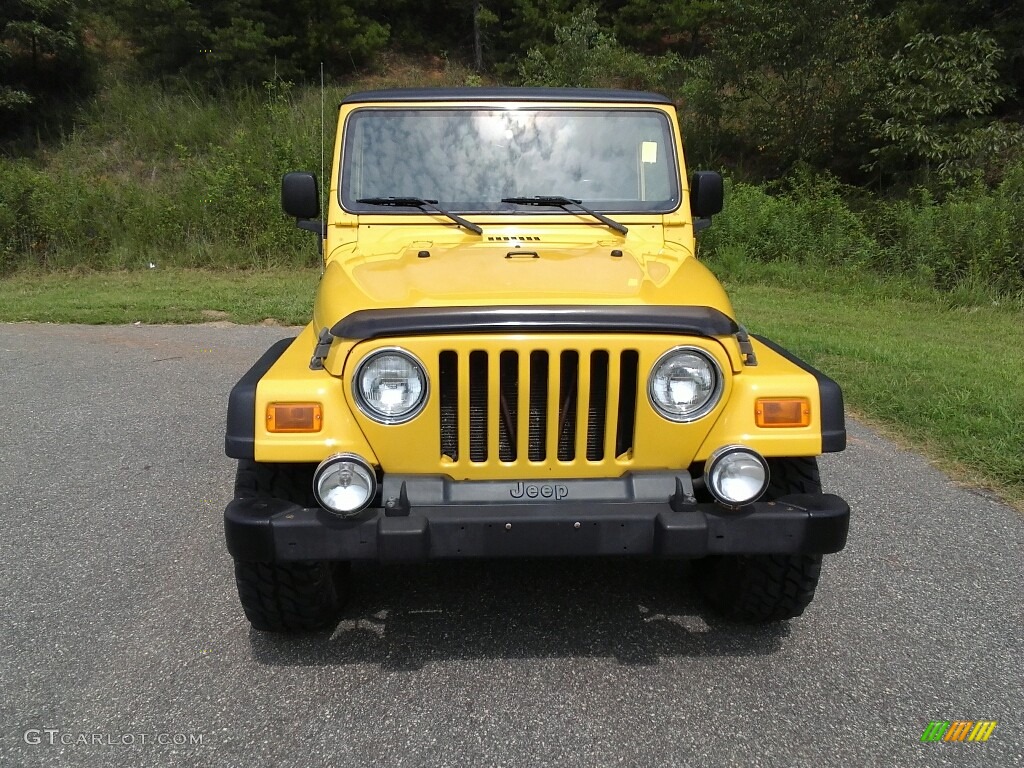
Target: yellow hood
x,y
489,273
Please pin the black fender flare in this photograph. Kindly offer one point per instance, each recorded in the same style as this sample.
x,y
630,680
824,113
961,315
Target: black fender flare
x,y
240,437
833,417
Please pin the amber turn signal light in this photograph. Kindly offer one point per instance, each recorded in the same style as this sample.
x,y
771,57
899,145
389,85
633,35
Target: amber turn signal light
x,y
294,417
782,412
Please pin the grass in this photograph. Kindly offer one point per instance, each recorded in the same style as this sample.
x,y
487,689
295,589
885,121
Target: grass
x,y
942,376
176,176
159,296
933,369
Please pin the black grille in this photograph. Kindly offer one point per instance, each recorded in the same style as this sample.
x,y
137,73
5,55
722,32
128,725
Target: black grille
x,y
629,363
597,411
599,400
478,406
567,406
509,404
448,382
538,406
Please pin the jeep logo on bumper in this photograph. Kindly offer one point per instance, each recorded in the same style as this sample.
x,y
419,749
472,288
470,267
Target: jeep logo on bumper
x,y
542,491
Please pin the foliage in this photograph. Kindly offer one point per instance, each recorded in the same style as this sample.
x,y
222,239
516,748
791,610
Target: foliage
x,y
930,115
792,78
41,57
586,55
246,42
657,26
178,178
342,35
806,222
969,242
526,24
973,237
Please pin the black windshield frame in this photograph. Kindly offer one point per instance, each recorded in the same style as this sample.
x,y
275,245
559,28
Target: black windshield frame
x,y
667,204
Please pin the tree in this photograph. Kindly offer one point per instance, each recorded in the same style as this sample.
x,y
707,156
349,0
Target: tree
x,y
793,78
41,55
222,42
483,18
232,42
340,33
586,54
931,116
657,26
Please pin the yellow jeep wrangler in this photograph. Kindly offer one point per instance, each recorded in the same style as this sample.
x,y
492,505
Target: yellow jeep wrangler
x,y
515,353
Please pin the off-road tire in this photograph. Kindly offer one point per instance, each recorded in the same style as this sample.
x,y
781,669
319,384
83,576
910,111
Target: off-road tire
x,y
293,596
293,482
764,588
786,476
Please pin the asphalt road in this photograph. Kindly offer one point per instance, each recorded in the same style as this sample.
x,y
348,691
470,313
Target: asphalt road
x,y
121,631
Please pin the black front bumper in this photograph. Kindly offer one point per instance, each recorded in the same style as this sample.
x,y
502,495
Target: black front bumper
x,y
276,530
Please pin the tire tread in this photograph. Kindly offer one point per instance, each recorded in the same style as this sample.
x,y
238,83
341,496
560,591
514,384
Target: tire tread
x,y
764,588
293,596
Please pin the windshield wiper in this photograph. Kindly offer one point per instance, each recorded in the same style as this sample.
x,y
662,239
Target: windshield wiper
x,y
419,202
565,202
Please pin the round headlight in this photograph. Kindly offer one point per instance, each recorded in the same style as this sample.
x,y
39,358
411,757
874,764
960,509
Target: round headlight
x,y
736,475
685,384
390,386
344,484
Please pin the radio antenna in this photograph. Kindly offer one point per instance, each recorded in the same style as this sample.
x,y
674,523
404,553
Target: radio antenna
x,y
323,171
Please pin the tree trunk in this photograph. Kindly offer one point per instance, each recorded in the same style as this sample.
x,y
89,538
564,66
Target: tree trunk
x,y
478,49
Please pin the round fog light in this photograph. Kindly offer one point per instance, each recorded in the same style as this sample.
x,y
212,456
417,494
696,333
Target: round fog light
x,y
344,484
736,476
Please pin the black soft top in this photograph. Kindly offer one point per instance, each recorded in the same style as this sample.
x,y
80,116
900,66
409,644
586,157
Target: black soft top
x,y
506,94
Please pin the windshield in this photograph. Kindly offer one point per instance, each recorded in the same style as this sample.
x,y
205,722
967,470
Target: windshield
x,y
468,159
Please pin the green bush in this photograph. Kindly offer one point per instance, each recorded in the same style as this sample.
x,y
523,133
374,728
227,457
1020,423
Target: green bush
x,y
586,55
20,233
971,242
931,118
972,237
167,178
808,223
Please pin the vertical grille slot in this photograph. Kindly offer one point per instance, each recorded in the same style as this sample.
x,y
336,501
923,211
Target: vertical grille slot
x,y
509,405
478,406
448,384
629,364
597,405
538,405
567,398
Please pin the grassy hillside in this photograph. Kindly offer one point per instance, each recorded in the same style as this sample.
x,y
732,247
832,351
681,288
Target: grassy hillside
x,y
186,179
178,178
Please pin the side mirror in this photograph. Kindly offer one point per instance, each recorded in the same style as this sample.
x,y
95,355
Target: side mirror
x,y
300,196
706,194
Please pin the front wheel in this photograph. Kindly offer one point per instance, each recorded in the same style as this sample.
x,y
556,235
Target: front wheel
x,y
763,588
291,597
294,596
